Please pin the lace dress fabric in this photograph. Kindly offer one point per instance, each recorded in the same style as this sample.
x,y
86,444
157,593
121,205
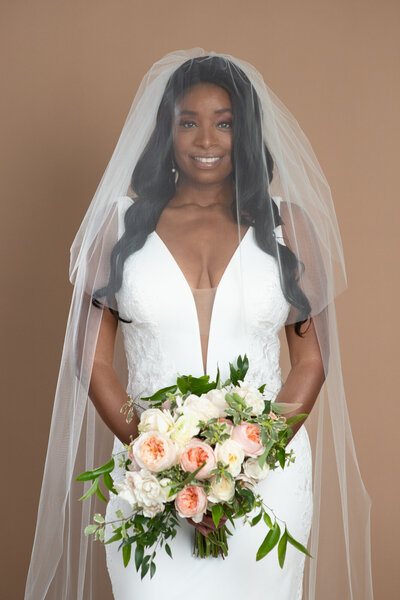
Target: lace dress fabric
x,y
186,331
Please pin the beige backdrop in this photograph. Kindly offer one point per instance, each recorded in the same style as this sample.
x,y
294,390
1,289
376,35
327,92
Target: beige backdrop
x,y
70,70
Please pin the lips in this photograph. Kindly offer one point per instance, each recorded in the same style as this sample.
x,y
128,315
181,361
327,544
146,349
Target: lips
x,y
206,161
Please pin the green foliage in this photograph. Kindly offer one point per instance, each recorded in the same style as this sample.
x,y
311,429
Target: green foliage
x,y
142,536
238,373
270,541
217,511
195,385
221,470
282,548
214,432
160,396
95,476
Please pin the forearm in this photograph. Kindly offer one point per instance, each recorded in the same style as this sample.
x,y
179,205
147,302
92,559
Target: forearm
x,y
302,385
108,396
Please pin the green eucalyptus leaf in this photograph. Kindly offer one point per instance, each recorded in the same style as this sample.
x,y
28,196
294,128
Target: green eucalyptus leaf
x,y
89,529
168,550
99,518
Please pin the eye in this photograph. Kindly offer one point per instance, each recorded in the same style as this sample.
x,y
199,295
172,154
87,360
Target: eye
x,y
187,124
225,124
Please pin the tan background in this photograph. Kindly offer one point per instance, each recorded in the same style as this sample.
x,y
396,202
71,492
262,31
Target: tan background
x,y
69,74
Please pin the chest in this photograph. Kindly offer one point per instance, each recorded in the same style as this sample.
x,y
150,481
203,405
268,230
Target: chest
x,y
155,289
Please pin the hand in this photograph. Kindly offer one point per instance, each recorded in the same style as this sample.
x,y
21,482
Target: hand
x,y
207,524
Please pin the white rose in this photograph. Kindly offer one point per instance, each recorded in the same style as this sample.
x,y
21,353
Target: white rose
x,y
217,397
200,406
223,491
252,396
252,469
125,491
185,428
147,491
165,484
246,481
154,419
231,454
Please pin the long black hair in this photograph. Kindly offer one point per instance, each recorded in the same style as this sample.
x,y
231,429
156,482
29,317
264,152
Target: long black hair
x,y
153,181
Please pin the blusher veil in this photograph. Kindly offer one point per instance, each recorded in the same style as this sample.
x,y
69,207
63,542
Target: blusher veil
x,y
64,563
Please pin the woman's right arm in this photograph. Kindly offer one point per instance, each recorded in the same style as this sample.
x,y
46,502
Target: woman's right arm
x,y
105,390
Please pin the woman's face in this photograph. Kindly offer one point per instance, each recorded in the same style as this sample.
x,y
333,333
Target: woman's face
x,y
203,134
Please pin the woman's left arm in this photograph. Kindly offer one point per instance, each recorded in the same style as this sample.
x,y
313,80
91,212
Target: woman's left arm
x,y
306,375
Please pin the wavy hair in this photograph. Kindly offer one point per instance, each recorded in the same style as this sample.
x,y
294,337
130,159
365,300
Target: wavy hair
x,y
153,181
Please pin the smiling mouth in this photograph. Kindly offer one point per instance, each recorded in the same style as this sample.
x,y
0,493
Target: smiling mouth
x,y
208,161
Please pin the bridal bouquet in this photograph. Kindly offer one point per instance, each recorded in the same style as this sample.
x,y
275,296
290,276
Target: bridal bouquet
x,y
202,448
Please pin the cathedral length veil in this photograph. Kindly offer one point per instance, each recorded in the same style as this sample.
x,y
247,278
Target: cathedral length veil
x,y
66,565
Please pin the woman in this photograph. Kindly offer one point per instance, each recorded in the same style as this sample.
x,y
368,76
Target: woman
x,y
205,263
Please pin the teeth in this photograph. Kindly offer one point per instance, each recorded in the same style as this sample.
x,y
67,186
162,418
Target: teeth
x,y
211,159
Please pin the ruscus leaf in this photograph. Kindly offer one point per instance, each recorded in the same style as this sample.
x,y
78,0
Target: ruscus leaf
x,y
282,549
139,552
270,541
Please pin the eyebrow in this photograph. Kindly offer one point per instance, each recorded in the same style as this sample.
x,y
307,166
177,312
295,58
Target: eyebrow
x,y
193,112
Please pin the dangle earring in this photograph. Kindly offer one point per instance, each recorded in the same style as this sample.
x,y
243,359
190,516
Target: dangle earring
x,y
175,171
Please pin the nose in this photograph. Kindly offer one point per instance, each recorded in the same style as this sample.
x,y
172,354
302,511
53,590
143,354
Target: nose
x,y
205,137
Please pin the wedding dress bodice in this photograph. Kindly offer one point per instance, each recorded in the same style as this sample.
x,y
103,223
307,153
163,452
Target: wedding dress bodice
x,y
244,314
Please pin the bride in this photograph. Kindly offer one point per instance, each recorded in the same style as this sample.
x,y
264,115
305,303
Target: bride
x,y
211,231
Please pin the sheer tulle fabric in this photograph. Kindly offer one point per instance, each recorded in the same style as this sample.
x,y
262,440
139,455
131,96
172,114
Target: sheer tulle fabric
x,y
66,565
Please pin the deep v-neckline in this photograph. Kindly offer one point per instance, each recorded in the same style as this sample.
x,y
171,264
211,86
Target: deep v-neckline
x,y
182,273
190,290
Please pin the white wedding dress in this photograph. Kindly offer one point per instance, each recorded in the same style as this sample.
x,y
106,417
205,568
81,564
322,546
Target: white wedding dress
x,y
165,339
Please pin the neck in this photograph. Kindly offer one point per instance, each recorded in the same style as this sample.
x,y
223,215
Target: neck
x,y
189,192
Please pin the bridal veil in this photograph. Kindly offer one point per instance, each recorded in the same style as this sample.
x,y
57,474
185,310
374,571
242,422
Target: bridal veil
x,y
271,157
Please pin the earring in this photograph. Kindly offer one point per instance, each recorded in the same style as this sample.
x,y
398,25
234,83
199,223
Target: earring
x,y
175,170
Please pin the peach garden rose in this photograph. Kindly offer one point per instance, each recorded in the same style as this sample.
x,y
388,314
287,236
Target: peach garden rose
x,y
193,454
154,451
247,435
191,503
